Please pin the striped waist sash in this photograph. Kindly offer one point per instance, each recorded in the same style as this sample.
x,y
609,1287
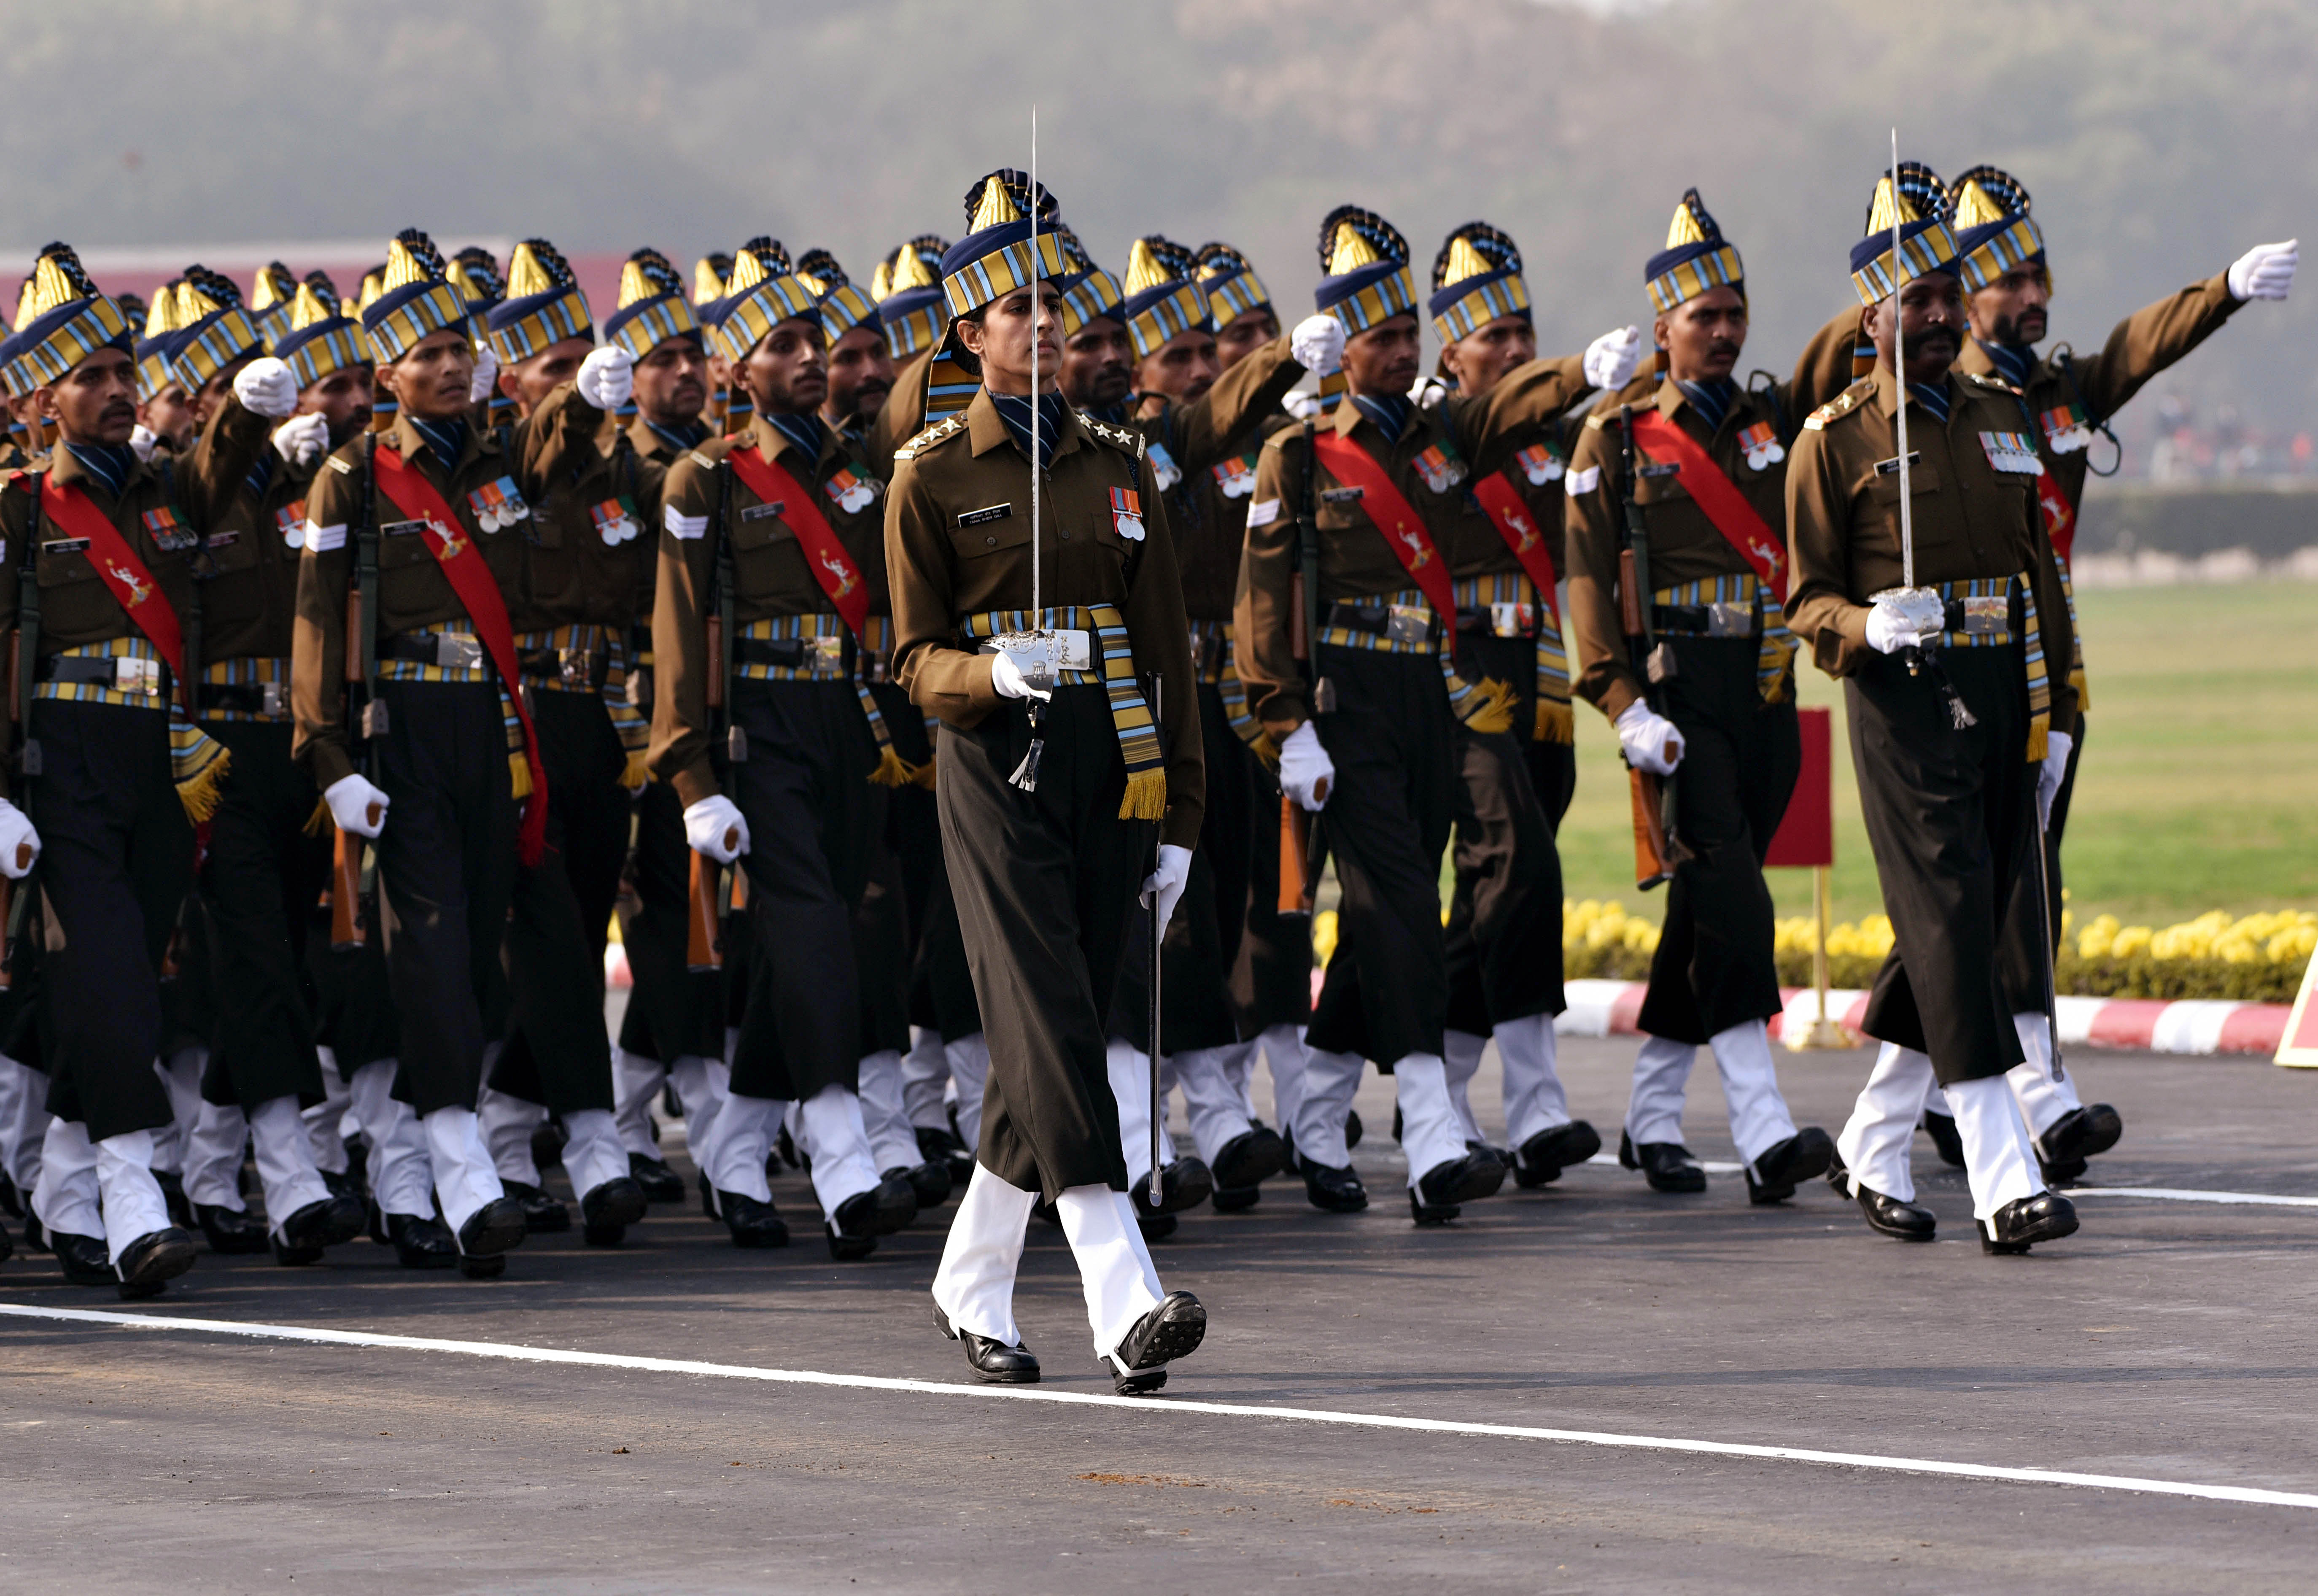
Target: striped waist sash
x,y
1113,663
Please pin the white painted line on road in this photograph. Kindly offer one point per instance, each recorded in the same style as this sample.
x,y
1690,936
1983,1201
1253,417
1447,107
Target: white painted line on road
x,y
1592,1438
2171,1193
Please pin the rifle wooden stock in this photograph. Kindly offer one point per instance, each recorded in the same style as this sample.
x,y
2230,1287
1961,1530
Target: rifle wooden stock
x,y
703,931
1299,634
347,931
1629,606
1651,865
713,689
1294,860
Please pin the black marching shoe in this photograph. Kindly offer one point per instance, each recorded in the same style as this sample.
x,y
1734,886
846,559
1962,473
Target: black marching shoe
x,y
1353,1129
1435,1197
547,1140
1806,1155
173,1193
1902,1222
1667,1166
896,1205
231,1232
852,1230
752,1223
661,1184
943,1147
1156,1227
83,1259
707,1198
11,1201
542,1213
1539,1161
2024,1221
498,1226
1946,1141
344,1183
930,1183
315,1226
7,1245
1173,1328
1332,1189
2077,1136
420,1242
152,1260
1183,1184
607,1211
1250,1158
993,1361
35,1237
1237,1199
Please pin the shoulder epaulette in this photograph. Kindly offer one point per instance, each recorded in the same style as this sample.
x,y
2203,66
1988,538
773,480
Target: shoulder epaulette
x,y
1123,437
948,427
1600,420
342,465
1843,404
1990,380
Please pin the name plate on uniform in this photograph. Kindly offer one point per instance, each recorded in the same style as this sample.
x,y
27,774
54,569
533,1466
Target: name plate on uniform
x,y
1511,620
64,545
1670,468
759,511
1986,614
1043,656
987,514
1341,496
402,528
1410,623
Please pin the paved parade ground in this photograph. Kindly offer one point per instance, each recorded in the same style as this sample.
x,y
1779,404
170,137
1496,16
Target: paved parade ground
x,y
2171,1343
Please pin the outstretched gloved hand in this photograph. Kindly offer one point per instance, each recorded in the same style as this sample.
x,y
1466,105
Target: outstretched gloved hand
x,y
1611,359
606,377
303,439
1318,344
267,387
486,380
2265,272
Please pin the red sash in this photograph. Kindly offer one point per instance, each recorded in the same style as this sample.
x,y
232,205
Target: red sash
x,y
839,577
2060,514
125,574
1514,522
1394,516
1719,497
469,576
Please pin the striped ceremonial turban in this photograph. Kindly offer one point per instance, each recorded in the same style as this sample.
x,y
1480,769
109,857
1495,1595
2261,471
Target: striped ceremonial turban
x,y
269,301
843,306
710,273
1365,264
1089,292
1994,233
1477,278
1232,287
763,292
217,332
996,256
414,299
1921,207
1695,258
61,320
907,287
157,347
653,307
1163,297
542,308
321,339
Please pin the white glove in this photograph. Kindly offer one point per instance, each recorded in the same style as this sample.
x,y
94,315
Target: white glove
x,y
1895,625
714,827
267,387
1648,739
1007,677
606,377
1301,403
1307,774
302,439
1427,391
2057,744
1318,344
20,845
1168,881
2265,272
142,440
1610,359
486,380
359,808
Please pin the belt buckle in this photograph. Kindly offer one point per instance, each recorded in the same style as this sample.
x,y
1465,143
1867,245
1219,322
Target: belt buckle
x,y
1986,614
131,675
825,654
578,666
1726,619
269,697
458,650
1408,623
1511,620
1042,656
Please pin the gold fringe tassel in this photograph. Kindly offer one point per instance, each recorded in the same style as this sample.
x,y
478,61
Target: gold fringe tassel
x,y
1146,795
519,771
636,773
893,770
923,775
2084,689
319,820
200,795
1496,702
1555,724
2040,742
1264,749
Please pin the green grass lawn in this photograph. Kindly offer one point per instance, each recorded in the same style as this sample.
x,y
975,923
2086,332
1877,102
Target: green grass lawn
x,y
2199,787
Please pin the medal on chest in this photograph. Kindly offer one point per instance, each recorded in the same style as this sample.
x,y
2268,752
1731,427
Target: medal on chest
x,y
1164,472
498,506
290,521
1542,464
1127,514
2013,451
2066,429
169,534
1235,478
1441,469
615,521
848,492
1762,446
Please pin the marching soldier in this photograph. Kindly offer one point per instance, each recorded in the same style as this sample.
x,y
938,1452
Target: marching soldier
x,y
1385,700
1028,624
1702,461
102,592
766,535
1957,726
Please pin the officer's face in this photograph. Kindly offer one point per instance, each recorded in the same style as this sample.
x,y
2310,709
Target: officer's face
x,y
431,377
1478,359
1243,335
861,374
1001,339
2011,309
168,414
1098,363
529,382
672,382
1183,368
787,373
1702,336
1931,316
342,399
96,401
1383,359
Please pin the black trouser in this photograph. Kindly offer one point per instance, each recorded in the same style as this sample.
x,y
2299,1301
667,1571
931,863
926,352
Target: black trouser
x,y
1045,882
1947,814
1388,819
884,923
353,995
941,985
1715,966
259,881
2018,960
1271,978
1503,937
116,862
446,868
673,1010
812,814
558,1052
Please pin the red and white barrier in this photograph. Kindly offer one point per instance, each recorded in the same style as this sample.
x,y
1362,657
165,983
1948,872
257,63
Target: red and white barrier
x,y
1611,1008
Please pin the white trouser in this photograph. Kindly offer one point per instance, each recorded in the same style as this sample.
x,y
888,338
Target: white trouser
x,y
65,1199
506,1124
1461,1061
400,1171
1759,1120
1999,1161
285,1159
1282,1048
636,1081
1130,1083
125,1190
701,1086
893,1143
969,1068
743,1136
828,1128
974,1285
2043,1101
1215,1095
925,1080
465,1178
181,1077
1329,1081
213,1158
1534,1100
325,1121
593,1153
1430,1133
24,1123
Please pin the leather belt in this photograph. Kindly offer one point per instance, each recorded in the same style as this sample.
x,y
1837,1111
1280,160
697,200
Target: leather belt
x,y
123,673
1384,620
445,651
1707,620
252,698
579,669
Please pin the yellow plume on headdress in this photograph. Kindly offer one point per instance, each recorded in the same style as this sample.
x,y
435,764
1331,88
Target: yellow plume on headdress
x,y
275,286
59,279
709,274
1684,228
996,206
305,309
1144,268
1890,207
881,281
1464,261
537,267
1350,251
909,271
410,258
1975,207
162,315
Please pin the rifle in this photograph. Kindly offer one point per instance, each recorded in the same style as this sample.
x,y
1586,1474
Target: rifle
x,y
16,906
1158,937
349,929
703,941
1302,848
1657,849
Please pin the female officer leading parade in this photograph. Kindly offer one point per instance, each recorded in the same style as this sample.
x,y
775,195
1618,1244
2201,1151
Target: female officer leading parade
x,y
1027,612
